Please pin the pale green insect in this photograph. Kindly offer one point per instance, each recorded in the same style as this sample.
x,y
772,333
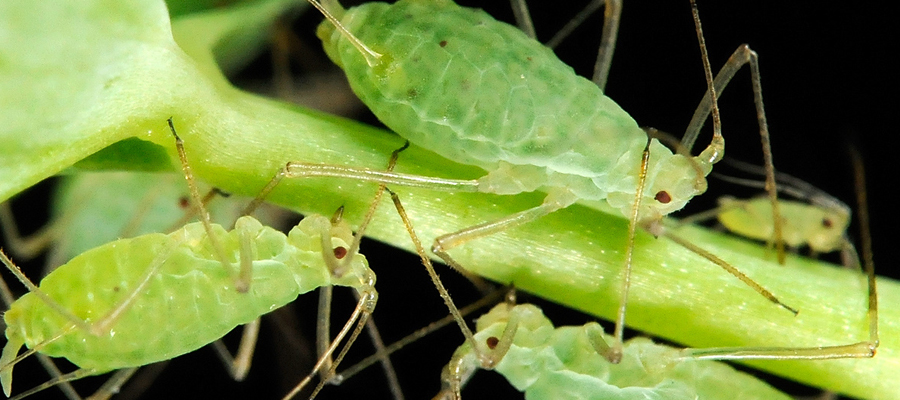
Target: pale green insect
x,y
817,220
456,82
562,363
178,273
477,91
96,309
822,229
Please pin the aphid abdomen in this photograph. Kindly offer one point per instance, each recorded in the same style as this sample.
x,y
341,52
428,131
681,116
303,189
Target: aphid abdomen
x,y
478,91
189,303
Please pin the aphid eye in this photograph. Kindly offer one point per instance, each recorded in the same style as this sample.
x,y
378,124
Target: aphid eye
x,y
184,202
492,342
826,222
443,43
663,197
340,252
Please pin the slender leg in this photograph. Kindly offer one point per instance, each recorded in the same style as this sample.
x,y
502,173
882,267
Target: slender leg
x,y
26,247
611,16
239,365
862,349
7,297
743,56
523,17
113,384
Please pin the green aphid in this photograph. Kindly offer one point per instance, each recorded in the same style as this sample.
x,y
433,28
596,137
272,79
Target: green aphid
x,y
822,229
478,91
189,299
560,363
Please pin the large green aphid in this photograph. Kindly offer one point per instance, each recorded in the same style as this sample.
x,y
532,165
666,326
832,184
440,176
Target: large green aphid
x,y
459,83
478,91
547,362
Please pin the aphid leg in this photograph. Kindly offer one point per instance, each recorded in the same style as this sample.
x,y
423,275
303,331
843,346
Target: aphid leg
x,y
489,299
241,277
239,365
865,234
611,16
612,13
338,263
523,17
712,154
657,228
862,349
488,357
333,11
113,385
191,211
615,352
25,247
743,55
7,296
374,334
362,312
69,377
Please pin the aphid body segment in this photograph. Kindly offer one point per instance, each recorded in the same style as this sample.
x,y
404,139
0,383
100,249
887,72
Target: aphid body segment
x,y
822,229
477,91
189,302
561,363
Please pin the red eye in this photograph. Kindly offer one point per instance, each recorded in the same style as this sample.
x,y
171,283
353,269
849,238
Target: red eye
x,y
340,252
663,197
827,223
492,342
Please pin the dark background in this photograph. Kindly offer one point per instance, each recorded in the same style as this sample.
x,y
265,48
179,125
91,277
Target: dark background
x,y
825,83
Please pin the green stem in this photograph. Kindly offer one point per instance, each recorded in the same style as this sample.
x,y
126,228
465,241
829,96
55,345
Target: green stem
x,y
573,257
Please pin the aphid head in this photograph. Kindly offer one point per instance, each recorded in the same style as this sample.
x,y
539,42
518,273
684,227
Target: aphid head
x,y
829,234
672,181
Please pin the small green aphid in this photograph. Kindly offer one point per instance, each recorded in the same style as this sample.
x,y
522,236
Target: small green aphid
x,y
562,363
816,219
802,224
96,309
